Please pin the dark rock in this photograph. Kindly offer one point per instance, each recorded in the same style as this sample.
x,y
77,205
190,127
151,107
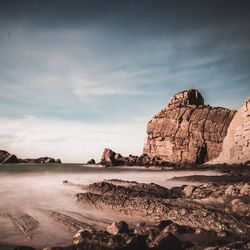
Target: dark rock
x,y
6,157
118,227
91,162
10,159
23,248
166,240
41,160
100,240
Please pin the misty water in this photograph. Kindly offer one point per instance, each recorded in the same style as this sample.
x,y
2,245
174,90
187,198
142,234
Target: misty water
x,y
36,189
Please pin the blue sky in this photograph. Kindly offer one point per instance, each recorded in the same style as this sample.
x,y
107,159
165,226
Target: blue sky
x,y
77,76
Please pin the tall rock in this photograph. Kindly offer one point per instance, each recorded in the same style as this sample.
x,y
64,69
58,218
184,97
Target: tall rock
x,y
187,131
236,145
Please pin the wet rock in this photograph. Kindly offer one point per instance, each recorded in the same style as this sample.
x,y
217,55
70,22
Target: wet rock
x,y
58,161
166,240
131,189
23,248
222,234
180,211
72,224
100,240
118,227
179,229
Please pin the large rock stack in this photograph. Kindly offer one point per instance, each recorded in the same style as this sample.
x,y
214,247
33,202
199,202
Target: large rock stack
x,y
187,131
236,145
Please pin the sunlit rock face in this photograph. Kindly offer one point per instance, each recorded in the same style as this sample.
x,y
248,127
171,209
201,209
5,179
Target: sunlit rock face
x,y
236,145
187,131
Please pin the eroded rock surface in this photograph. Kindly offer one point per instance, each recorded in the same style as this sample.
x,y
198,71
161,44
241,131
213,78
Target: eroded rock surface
x,y
236,145
187,131
174,204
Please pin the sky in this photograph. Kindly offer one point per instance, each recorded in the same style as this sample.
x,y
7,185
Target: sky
x,y
79,76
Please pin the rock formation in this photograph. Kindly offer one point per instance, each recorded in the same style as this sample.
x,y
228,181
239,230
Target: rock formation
x,y
187,131
236,145
6,157
182,205
111,158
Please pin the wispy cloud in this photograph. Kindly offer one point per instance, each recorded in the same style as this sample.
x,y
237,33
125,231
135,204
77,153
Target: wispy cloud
x,y
70,141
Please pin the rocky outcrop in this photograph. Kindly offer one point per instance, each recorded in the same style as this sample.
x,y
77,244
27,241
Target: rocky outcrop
x,y
236,145
187,131
6,157
91,162
41,160
152,202
111,158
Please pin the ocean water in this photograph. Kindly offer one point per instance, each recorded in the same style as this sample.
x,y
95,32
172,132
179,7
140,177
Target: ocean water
x,y
34,189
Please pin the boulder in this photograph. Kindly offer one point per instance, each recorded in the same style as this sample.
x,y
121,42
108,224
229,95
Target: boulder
x,y
118,227
110,158
187,131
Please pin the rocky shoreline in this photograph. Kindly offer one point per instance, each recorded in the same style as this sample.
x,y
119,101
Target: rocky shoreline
x,y
207,216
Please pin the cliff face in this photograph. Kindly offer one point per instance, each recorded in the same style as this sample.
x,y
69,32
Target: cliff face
x,y
236,145
187,131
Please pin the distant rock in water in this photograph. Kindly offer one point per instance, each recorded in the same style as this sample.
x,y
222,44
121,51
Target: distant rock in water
x,y
187,131
41,160
111,158
6,157
91,162
236,145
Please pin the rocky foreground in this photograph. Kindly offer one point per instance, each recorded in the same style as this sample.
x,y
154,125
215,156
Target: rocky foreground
x,y
215,215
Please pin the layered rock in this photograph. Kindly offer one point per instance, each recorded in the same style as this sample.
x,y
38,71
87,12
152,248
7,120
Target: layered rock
x,y
236,145
152,202
187,131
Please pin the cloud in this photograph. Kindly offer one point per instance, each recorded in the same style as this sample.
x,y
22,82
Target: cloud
x,y
68,140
